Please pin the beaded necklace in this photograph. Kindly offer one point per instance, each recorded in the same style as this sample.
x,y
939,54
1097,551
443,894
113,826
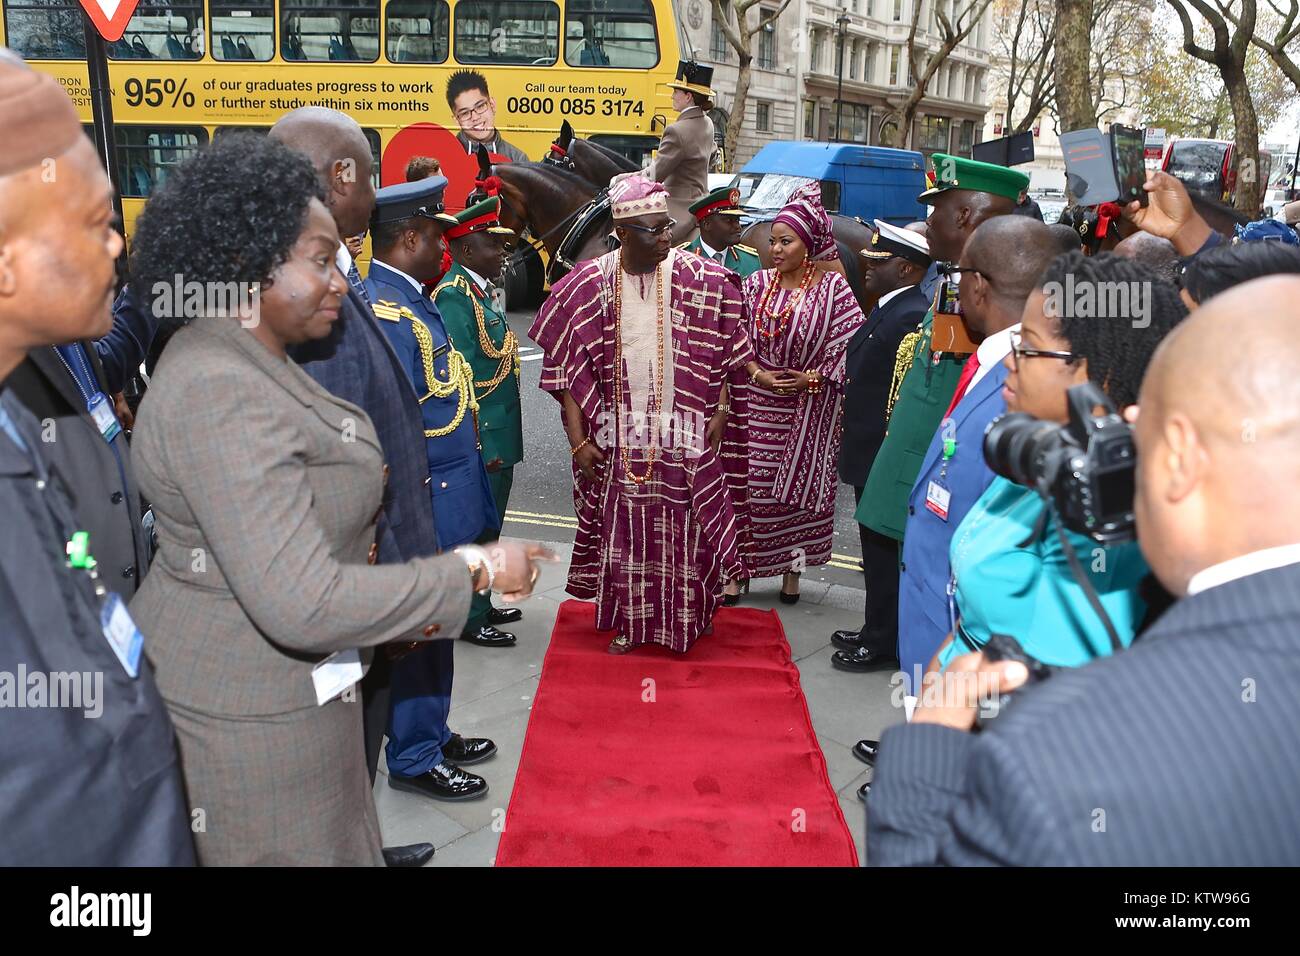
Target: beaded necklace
x,y
777,323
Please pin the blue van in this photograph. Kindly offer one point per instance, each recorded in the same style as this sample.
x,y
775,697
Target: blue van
x,y
870,182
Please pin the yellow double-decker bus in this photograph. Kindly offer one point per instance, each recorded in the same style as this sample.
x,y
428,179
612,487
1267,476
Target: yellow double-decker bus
x,y
422,77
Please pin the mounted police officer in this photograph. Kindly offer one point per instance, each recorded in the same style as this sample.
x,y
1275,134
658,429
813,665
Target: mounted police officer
x,y
718,216
406,236
479,331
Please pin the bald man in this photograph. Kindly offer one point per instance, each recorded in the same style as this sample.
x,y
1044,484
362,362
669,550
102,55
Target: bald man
x,y
1155,252
1105,765
90,773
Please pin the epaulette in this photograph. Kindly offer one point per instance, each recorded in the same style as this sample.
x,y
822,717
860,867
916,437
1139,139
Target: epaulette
x,y
750,249
388,311
460,282
683,245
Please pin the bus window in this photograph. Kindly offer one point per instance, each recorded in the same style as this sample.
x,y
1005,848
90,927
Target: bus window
x,y
329,30
243,30
45,29
146,154
372,137
419,31
636,148
162,30
613,33
221,131
1199,164
517,31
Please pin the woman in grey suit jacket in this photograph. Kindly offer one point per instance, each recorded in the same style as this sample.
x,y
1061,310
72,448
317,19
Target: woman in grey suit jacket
x,y
266,489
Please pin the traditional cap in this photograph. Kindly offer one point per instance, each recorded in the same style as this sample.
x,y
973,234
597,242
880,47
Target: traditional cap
x,y
806,216
1266,230
957,172
889,241
422,198
724,199
37,117
637,196
694,77
480,217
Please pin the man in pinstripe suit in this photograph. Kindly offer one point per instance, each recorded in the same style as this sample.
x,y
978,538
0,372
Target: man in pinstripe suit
x,y
1181,750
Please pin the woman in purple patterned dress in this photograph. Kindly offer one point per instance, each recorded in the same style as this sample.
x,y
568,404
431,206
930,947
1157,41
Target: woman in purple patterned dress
x,y
800,319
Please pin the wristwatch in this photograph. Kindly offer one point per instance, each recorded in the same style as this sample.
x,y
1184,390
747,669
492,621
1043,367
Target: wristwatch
x,y
476,558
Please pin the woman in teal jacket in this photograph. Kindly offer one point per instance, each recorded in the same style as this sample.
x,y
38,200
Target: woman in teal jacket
x,y
1004,583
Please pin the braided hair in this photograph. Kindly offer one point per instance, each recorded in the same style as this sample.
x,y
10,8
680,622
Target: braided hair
x,y
1222,267
1117,348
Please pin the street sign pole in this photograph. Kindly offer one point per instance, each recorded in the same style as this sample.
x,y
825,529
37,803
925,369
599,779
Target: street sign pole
x,y
101,105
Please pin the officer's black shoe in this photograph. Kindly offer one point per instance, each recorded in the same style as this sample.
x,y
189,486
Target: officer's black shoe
x,y
444,782
489,636
863,791
504,615
862,660
417,854
466,750
864,750
847,640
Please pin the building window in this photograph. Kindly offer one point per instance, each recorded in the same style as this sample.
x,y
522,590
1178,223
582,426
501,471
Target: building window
x,y
419,31
889,132
855,118
146,155
615,33
767,44
818,51
45,29
522,32
966,138
869,70
898,11
809,119
719,48
934,134
853,60
162,30
324,30
763,117
895,63
242,31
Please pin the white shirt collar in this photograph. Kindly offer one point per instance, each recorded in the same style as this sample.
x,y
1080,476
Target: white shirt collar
x,y
478,279
888,296
419,287
343,259
1243,566
708,250
991,352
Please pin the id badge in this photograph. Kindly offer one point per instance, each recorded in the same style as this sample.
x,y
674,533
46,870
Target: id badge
x,y
937,498
101,410
122,634
336,674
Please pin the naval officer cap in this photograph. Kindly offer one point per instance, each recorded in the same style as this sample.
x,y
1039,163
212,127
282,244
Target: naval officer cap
x,y
889,241
422,198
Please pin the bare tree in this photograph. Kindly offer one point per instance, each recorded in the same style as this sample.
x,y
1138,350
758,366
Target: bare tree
x,y
1074,103
740,35
1025,32
1120,37
1274,37
1229,56
951,33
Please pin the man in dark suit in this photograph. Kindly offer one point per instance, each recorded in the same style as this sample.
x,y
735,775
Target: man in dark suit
x,y
1101,765
892,267
91,776
356,363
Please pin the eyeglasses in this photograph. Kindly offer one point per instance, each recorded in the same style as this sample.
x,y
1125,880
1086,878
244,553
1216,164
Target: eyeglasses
x,y
474,112
1018,352
958,270
655,231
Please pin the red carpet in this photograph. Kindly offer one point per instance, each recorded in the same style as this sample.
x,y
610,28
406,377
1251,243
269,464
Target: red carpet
x,y
721,769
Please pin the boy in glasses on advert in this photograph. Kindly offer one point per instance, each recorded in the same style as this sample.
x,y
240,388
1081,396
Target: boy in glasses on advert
x,y
476,111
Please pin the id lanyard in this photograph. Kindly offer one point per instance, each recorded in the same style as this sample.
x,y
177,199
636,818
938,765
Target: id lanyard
x,y
114,619
97,404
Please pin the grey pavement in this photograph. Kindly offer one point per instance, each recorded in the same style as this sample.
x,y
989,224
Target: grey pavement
x,y
494,688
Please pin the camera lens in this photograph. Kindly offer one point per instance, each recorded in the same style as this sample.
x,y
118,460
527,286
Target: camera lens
x,y
1015,441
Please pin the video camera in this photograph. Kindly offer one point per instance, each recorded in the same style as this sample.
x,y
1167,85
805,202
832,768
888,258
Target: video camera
x,y
1085,467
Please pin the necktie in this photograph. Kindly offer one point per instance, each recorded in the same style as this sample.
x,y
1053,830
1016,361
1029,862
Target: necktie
x,y
963,382
720,256
354,280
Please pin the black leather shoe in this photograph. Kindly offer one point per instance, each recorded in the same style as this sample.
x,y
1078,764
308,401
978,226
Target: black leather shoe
x,y
864,750
504,615
444,782
466,750
489,636
417,854
862,660
847,640
863,791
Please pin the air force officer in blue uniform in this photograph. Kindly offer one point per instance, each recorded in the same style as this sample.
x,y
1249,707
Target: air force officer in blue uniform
x,y
406,228
999,267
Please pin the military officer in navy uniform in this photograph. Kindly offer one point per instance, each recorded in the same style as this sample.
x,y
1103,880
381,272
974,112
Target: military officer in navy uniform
x,y
479,331
406,238
718,216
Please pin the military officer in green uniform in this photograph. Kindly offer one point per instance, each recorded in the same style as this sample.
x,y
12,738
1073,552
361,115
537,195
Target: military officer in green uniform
x,y
718,215
963,193
479,331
